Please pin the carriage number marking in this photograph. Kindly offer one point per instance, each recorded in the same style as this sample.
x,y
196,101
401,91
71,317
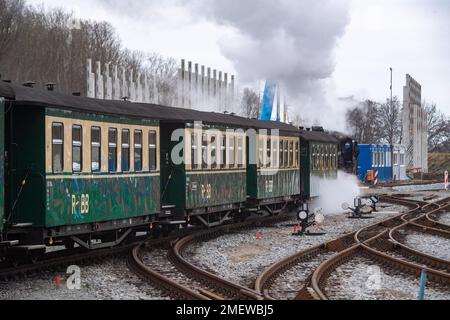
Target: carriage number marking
x,y
82,202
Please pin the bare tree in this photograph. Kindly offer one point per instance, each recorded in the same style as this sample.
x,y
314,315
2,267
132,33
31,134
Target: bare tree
x,y
438,128
11,14
53,46
250,104
390,118
364,122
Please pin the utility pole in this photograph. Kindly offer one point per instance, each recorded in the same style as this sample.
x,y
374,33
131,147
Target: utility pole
x,y
391,88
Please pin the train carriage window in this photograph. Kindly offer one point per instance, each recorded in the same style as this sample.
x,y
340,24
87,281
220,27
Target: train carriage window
x,y
137,150
261,152
240,144
315,158
213,152
291,154
112,150
269,153
125,150
77,149
322,152
330,158
95,149
152,161
204,151
281,154
286,154
194,151
232,157
297,154
58,147
275,162
319,158
223,152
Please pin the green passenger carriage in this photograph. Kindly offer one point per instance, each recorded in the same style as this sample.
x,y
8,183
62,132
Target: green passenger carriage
x,y
98,172
319,161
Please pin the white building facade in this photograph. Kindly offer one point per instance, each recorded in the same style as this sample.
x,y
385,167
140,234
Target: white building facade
x,y
415,127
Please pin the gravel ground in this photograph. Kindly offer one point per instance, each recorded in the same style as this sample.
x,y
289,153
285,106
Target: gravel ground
x,y
444,218
158,261
412,188
240,257
429,244
109,280
361,279
294,279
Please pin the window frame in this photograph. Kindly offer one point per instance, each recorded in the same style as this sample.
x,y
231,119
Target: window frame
x,y
223,151
59,142
213,151
97,145
232,151
123,146
205,140
77,126
151,147
138,147
113,145
281,153
240,151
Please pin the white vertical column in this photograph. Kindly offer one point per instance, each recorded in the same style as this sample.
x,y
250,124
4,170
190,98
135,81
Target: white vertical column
x,y
232,92
183,83
219,92
190,85
203,81
99,85
146,96
116,84
209,87
124,84
196,86
214,83
139,93
108,83
132,86
155,88
90,80
225,94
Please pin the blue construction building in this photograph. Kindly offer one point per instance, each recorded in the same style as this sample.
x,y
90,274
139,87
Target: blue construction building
x,y
375,157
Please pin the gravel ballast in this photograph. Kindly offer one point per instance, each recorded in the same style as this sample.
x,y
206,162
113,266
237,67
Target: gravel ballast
x,y
362,279
108,280
241,257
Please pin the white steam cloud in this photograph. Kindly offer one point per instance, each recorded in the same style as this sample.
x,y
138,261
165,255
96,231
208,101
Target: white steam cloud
x,y
291,42
336,192
288,41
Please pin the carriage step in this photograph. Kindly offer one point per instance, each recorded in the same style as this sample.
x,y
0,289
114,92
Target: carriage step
x,y
10,243
29,247
22,225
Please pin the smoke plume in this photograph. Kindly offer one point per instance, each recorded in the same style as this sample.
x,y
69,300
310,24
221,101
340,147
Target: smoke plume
x,y
288,41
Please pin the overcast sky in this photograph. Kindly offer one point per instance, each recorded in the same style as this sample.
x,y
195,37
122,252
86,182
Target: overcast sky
x,y
351,44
